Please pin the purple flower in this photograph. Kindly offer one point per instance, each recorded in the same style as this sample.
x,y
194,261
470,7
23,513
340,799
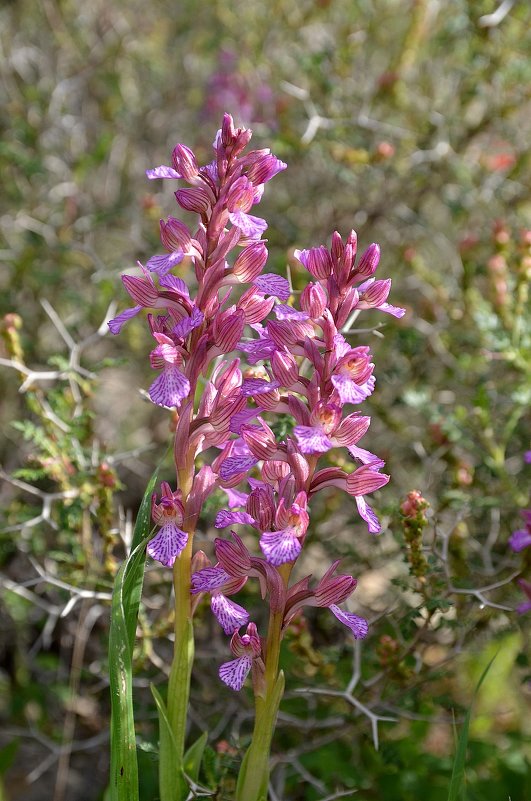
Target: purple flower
x,y
115,325
272,284
521,538
187,324
312,439
246,649
172,386
209,579
170,540
167,544
250,226
236,465
229,615
224,519
163,264
285,544
280,547
358,625
162,172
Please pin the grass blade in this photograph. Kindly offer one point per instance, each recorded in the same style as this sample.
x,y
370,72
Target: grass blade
x,y
457,782
124,613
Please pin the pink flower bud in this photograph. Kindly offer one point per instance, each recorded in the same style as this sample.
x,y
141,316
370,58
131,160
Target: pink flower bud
x,y
365,480
334,589
233,557
175,235
260,441
185,162
314,300
261,506
142,290
240,195
225,407
255,306
228,329
250,262
369,261
195,199
264,168
285,368
376,294
337,247
274,471
316,260
227,379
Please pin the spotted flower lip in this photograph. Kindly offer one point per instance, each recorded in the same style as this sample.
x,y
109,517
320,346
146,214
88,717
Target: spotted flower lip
x,y
169,542
247,649
358,625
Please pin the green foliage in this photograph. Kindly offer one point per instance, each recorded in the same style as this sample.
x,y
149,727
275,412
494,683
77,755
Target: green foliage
x,y
124,614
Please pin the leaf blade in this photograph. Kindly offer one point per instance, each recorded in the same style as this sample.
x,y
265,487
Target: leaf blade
x,y
124,613
457,782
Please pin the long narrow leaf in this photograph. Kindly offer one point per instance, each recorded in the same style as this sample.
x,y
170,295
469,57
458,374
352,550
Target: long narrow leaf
x,y
193,757
171,777
457,783
124,613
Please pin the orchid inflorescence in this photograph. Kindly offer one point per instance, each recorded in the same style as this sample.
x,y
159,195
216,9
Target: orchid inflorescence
x,y
307,370
299,365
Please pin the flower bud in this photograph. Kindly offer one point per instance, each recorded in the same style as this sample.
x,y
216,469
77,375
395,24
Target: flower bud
x,y
260,441
314,300
261,506
227,329
285,368
365,480
185,162
142,290
250,262
369,261
233,557
175,235
195,199
316,260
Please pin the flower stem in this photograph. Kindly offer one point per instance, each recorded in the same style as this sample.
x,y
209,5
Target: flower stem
x,y
253,779
179,684
172,748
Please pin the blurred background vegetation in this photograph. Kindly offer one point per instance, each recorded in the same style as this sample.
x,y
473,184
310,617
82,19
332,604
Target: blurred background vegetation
x,y
408,120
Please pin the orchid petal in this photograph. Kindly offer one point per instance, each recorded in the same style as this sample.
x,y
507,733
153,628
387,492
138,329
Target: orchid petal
x,y
168,544
358,625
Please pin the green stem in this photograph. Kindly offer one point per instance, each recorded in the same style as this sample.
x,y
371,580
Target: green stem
x,y
172,749
253,780
183,655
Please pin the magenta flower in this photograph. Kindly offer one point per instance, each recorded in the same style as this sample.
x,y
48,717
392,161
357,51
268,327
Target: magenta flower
x,y
285,543
172,386
170,540
247,649
521,538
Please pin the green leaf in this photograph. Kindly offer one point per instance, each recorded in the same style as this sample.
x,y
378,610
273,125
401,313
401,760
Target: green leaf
x,y
124,613
457,783
193,756
172,784
7,755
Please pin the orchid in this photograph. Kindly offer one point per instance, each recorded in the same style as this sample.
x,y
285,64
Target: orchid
x,y
295,362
